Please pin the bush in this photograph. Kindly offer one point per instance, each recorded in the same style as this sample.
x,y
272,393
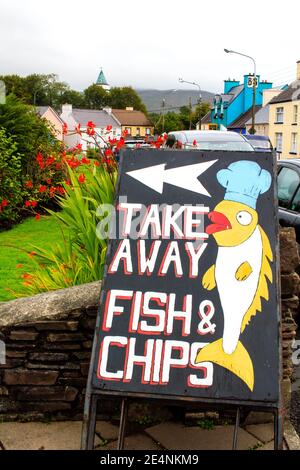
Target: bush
x,y
81,257
11,194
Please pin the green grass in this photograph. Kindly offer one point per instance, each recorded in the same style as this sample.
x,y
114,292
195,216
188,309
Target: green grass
x,y
14,247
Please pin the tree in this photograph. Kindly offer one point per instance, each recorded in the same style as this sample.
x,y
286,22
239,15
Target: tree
x,y
200,111
96,97
126,97
73,97
30,133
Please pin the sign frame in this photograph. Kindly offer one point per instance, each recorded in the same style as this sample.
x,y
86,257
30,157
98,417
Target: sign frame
x,y
94,394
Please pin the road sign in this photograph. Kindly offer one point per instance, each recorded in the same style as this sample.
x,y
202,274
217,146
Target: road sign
x,y
190,302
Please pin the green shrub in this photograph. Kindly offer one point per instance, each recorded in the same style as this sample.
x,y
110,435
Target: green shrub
x,y
11,194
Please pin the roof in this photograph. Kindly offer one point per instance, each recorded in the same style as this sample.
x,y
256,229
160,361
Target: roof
x,y
99,117
240,122
291,93
261,117
101,80
207,118
233,93
41,110
131,118
202,136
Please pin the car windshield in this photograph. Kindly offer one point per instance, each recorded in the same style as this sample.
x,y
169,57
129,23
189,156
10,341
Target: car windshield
x,y
261,144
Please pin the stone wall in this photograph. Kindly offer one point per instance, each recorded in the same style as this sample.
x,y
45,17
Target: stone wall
x,y
49,338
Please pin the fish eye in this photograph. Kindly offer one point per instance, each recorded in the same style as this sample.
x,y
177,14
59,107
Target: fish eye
x,y
244,218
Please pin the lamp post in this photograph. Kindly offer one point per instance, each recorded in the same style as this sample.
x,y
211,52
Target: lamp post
x,y
200,96
228,51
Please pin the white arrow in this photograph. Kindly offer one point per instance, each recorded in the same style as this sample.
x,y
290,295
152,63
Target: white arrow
x,y
184,176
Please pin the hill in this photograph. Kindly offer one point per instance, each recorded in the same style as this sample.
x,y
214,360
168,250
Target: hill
x,y
173,100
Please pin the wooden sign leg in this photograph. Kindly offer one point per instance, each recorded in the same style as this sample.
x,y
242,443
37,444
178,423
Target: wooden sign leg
x,y
278,429
89,424
236,429
123,419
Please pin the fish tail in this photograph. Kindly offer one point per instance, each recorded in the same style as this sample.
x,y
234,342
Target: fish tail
x,y
239,362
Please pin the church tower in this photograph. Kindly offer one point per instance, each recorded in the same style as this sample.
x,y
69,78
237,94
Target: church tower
x,y
101,81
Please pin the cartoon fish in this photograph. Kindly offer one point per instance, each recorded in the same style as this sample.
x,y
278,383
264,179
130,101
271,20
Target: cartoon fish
x,y
242,265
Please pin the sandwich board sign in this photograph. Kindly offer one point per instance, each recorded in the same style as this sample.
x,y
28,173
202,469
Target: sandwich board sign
x,y
190,302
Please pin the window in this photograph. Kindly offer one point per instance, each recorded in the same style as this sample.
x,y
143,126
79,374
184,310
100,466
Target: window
x,y
279,115
128,130
278,142
295,206
294,142
288,182
148,131
295,115
138,131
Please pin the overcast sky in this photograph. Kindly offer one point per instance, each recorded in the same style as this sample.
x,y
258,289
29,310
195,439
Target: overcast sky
x,y
149,43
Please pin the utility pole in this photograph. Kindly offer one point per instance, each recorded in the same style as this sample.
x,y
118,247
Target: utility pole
x,y
199,99
254,85
163,114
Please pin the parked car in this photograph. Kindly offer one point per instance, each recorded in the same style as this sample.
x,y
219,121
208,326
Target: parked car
x,y
208,140
261,143
288,182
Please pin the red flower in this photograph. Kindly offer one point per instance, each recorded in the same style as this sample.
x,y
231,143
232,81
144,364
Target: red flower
x,y
58,166
50,160
108,152
124,133
27,203
18,266
38,217
77,129
29,184
26,276
42,188
68,182
48,181
194,142
90,128
120,143
65,129
85,161
32,253
78,146
96,163
108,128
39,157
33,203
81,178
179,144
4,203
61,190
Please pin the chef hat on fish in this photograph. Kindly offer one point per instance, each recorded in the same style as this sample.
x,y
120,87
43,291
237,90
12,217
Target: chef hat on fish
x,y
244,182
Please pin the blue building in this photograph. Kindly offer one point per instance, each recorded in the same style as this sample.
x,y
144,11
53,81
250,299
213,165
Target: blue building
x,y
232,109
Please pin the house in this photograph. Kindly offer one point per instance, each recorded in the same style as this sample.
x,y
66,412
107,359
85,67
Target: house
x,y
262,115
230,107
48,113
135,123
102,82
78,119
284,120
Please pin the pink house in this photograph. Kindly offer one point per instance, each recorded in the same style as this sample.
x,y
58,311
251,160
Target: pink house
x,y
46,112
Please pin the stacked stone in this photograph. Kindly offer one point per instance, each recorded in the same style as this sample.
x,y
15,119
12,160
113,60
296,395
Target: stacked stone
x,y
290,286
47,363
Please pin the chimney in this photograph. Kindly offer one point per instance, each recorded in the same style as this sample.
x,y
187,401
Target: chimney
x,y
66,109
107,109
298,70
129,108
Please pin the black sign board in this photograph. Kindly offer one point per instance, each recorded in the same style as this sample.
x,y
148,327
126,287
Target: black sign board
x,y
190,303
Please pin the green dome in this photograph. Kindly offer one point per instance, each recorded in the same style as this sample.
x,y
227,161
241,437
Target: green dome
x,y
101,79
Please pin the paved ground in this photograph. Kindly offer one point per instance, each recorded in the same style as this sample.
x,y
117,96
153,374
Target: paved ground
x,y
168,435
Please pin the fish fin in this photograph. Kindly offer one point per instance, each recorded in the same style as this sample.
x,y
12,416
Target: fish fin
x,y
239,362
209,280
262,291
243,272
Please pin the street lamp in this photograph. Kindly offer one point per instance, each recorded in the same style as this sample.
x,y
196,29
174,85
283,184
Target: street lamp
x,y
200,96
228,51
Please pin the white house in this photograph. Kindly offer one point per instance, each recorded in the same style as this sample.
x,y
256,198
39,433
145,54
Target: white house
x,y
80,117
